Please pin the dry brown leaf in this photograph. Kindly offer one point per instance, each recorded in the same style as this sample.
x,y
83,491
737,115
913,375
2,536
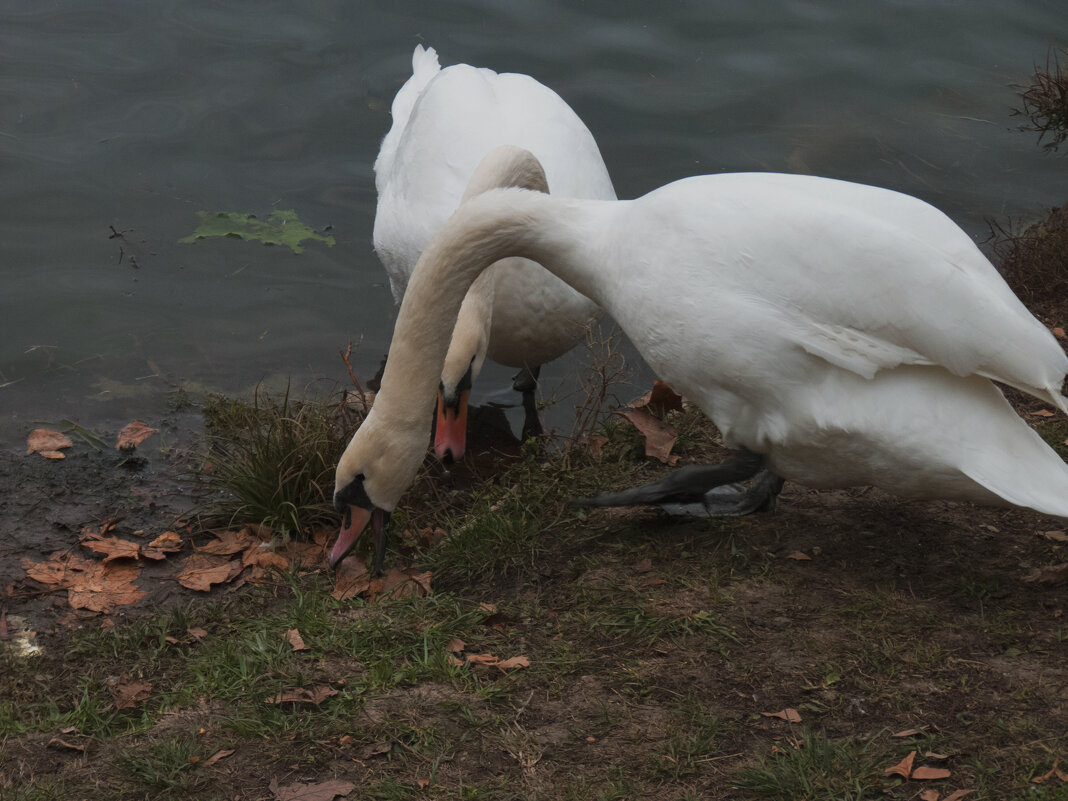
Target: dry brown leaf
x,y
929,795
294,639
1056,536
1054,771
659,400
659,436
304,695
222,754
112,547
902,768
168,541
351,579
48,443
1059,333
196,633
909,732
405,583
957,795
200,571
482,659
1052,574
422,783
642,566
455,645
381,748
790,715
264,558
1043,413
452,660
595,444
320,791
127,693
133,434
926,773
227,543
798,556
90,584
58,741
514,662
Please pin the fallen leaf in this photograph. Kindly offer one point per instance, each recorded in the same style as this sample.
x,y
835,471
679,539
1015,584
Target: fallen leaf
x,y
1043,413
659,400
1059,333
909,733
57,741
1052,574
405,583
422,783
902,768
643,566
92,585
790,715
200,571
925,773
112,547
264,558
196,633
223,754
659,436
957,795
1054,771
293,638
168,541
321,791
514,662
351,579
595,444
929,795
1056,536
227,543
799,556
488,608
48,443
482,659
127,693
380,748
304,695
455,645
452,660
133,434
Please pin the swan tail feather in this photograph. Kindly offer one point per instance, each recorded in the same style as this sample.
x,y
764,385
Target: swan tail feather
x,y
1030,474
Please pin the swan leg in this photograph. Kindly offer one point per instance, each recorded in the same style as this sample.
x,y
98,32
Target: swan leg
x,y
704,490
525,382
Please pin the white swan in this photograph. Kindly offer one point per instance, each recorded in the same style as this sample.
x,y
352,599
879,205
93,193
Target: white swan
x,y
837,334
444,122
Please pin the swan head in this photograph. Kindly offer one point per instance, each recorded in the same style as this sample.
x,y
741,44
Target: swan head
x,y
378,465
450,428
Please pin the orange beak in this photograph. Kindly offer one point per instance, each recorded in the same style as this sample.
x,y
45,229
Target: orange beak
x,y
450,433
355,521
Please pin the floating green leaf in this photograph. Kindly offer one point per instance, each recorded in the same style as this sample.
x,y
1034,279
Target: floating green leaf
x,y
282,227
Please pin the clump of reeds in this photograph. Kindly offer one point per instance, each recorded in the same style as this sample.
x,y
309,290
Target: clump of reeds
x,y
1045,102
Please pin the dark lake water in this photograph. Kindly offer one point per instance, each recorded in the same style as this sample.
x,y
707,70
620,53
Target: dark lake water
x,y
133,117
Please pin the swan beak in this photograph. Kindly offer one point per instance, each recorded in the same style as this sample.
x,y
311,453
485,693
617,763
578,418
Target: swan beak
x,y
450,433
356,520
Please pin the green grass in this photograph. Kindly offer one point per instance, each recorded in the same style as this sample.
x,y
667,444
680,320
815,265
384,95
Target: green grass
x,y
163,768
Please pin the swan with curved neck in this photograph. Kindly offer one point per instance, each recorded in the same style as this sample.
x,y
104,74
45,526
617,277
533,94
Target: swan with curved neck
x,y
516,314
837,335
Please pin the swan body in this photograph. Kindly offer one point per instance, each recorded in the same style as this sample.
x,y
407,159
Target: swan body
x,y
844,333
444,122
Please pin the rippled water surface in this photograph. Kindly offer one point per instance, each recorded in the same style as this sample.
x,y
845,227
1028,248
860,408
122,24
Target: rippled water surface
x,y
132,117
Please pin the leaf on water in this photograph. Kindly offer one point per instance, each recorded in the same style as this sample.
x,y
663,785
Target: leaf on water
x,y
659,436
321,791
127,693
790,715
925,773
659,400
133,434
48,443
1052,574
201,571
280,228
294,639
304,695
112,547
221,754
902,768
